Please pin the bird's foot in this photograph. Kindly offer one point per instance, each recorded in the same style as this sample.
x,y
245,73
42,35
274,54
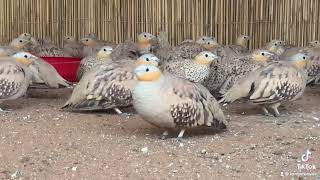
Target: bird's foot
x,y
126,115
164,135
181,133
122,114
5,111
266,112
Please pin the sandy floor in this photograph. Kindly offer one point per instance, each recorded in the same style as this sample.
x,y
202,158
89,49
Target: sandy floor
x,y
38,141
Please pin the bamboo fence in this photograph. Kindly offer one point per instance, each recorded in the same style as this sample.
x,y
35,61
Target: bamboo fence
x,y
296,21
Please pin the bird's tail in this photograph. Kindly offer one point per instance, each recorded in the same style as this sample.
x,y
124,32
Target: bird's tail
x,y
239,90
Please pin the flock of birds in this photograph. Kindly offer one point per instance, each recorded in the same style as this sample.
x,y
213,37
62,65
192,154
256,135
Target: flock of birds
x,y
170,87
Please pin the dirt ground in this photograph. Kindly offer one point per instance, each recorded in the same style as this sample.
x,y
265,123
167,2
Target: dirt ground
x,y
39,141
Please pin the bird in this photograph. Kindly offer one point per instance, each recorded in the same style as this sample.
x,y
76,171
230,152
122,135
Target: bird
x,y
43,73
72,47
92,45
147,43
314,43
88,62
170,102
128,49
275,46
223,74
241,45
108,86
271,85
313,69
13,47
188,49
196,70
26,36
14,77
46,48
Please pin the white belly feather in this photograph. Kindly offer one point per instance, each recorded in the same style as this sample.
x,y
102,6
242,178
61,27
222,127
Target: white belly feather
x,y
151,104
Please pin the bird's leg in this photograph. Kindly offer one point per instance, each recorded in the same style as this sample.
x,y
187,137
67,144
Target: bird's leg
x,y
126,115
274,107
165,135
265,111
181,133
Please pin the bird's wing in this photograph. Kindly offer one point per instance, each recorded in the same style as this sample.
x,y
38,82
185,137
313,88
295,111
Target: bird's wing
x,y
104,87
192,104
47,74
12,79
85,65
127,49
275,82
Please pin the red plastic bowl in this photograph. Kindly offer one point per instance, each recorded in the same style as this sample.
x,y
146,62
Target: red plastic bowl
x,y
67,67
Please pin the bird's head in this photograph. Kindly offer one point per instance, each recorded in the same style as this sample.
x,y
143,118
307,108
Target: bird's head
x,y
147,73
314,43
207,42
104,52
243,40
262,56
145,39
24,58
19,43
69,39
26,36
205,58
273,46
88,41
299,60
148,59
279,42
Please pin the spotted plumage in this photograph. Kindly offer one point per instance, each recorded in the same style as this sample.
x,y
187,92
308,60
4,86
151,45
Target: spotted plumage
x,y
14,79
168,101
72,47
87,63
196,70
224,74
107,86
313,69
270,86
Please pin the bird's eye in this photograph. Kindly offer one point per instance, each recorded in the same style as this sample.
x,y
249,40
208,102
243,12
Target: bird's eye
x,y
25,56
206,55
147,70
316,42
208,42
147,59
145,35
303,57
276,44
202,39
87,39
20,41
104,50
262,54
68,38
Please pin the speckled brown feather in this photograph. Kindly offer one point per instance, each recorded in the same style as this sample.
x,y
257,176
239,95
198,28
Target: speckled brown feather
x,y
104,87
275,83
14,79
75,49
45,73
196,106
224,74
173,102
